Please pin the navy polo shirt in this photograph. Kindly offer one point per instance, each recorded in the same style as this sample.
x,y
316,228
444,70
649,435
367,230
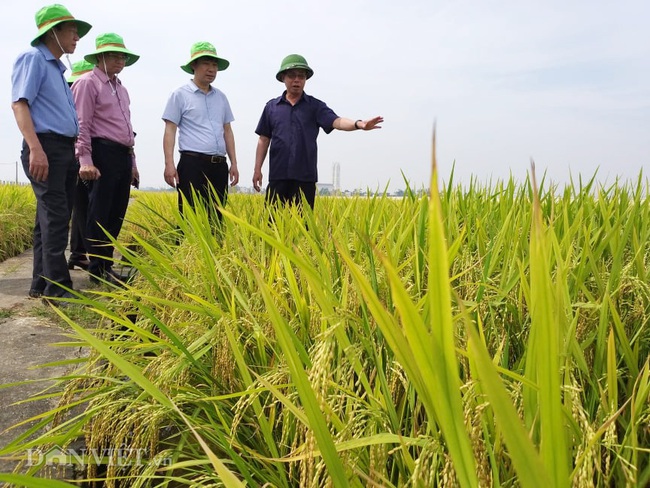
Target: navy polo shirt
x,y
293,130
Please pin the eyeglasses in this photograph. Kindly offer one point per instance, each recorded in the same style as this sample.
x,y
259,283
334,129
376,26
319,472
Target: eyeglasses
x,y
118,57
301,75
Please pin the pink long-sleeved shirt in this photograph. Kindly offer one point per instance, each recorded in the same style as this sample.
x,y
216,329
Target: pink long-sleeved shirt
x,y
103,111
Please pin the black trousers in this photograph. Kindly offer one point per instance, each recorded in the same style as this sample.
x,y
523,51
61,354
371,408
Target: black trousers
x,y
108,198
199,174
54,198
290,192
78,224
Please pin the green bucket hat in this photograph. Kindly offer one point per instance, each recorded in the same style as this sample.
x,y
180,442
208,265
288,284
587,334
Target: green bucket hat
x,y
52,15
78,69
111,43
204,49
294,61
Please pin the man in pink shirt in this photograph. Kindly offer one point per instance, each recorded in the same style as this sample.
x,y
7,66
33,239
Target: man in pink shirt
x,y
105,150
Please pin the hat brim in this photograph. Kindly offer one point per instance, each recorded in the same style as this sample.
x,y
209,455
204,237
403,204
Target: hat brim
x,y
280,75
132,57
222,64
82,29
76,76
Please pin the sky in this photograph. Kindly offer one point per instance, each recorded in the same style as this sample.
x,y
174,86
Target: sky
x,y
564,83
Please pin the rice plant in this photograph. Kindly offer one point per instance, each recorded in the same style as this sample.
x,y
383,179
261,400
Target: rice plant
x,y
484,335
17,207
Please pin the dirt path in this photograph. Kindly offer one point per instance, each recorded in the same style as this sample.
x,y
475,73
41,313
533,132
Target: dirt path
x,y
28,331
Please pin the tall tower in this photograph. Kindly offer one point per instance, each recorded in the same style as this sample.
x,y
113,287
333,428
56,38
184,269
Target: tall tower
x,y
336,176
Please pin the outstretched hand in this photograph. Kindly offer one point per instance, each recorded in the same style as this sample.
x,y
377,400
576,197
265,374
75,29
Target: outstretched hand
x,y
371,124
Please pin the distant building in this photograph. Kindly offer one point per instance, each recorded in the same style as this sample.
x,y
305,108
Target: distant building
x,y
335,186
325,188
336,176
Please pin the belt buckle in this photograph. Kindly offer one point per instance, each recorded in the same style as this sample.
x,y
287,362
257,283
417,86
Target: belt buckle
x,y
215,159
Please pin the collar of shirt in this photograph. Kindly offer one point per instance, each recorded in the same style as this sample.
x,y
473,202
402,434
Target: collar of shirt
x,y
50,57
103,77
283,98
195,88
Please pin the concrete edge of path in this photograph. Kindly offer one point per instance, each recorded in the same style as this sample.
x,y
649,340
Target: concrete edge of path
x,y
27,341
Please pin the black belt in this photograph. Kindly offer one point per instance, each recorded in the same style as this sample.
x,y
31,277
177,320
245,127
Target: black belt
x,y
58,137
108,142
206,157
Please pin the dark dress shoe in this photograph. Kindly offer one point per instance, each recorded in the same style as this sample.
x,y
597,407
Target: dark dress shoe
x,y
60,301
111,277
117,275
78,263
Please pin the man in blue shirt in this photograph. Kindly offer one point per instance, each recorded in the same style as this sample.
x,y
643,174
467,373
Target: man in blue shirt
x,y
46,117
290,126
202,115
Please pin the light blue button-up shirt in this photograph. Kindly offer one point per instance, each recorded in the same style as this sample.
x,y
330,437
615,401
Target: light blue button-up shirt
x,y
200,118
38,78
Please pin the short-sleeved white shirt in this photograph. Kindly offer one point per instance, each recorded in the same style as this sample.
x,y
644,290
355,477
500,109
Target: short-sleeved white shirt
x,y
200,118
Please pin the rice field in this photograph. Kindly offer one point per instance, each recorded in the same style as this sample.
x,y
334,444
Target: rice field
x,y
479,335
17,209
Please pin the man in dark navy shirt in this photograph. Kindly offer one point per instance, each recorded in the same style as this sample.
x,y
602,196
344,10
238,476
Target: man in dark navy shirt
x,y
290,126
